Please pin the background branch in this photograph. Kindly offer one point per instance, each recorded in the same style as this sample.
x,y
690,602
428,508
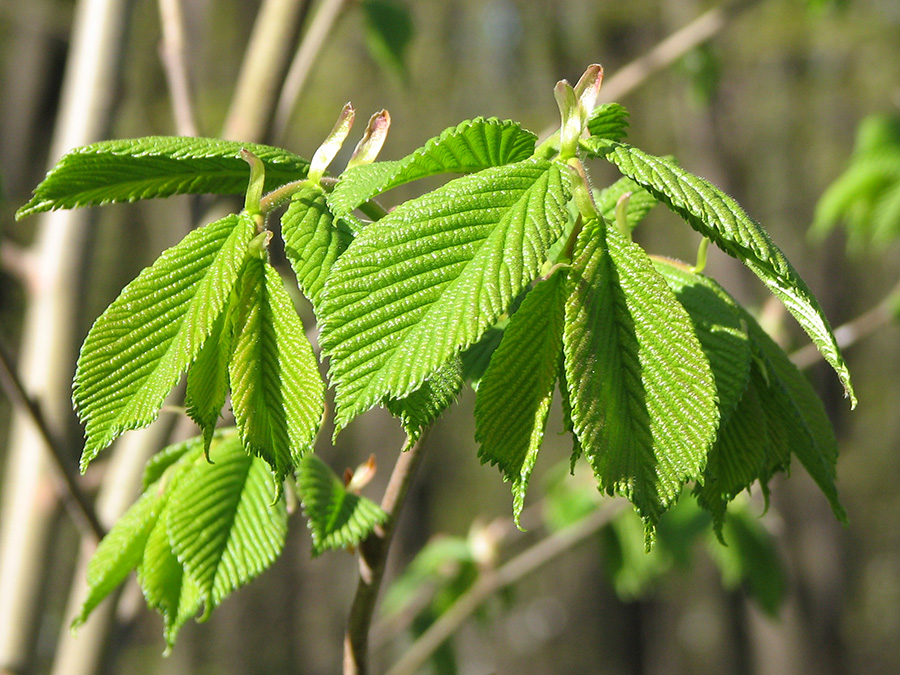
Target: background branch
x,y
172,54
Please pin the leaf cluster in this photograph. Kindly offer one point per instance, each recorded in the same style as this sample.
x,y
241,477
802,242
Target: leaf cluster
x,y
514,276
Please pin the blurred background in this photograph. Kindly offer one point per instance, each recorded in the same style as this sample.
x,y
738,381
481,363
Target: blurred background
x,y
763,97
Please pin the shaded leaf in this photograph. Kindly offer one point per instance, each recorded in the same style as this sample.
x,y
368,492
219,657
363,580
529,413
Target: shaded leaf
x,y
515,394
719,217
389,30
639,203
312,240
207,380
139,347
421,408
427,281
156,166
470,146
336,518
608,121
276,390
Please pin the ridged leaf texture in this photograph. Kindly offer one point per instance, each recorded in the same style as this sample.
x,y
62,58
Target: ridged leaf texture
x,y
140,346
222,523
276,390
720,326
207,380
641,390
421,408
336,518
609,121
719,217
426,281
156,166
470,146
515,394
312,240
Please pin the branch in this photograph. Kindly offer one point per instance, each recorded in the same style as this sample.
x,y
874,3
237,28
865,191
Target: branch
x,y
698,31
310,47
373,556
489,583
173,59
70,492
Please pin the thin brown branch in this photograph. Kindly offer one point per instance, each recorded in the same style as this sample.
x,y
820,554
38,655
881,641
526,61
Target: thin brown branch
x,y
373,554
172,53
75,501
682,41
489,583
320,28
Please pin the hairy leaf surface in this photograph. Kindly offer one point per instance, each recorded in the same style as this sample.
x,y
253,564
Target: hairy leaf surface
x,y
639,203
222,523
719,217
425,282
336,518
470,146
276,390
156,166
641,390
312,240
141,345
515,394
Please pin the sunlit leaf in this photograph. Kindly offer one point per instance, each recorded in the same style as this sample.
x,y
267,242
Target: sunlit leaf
x,y
140,346
156,166
719,217
426,281
470,146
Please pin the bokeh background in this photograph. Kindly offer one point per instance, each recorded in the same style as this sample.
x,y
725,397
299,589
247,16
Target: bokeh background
x,y
766,107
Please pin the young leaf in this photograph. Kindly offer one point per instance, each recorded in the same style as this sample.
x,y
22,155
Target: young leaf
x,y
426,281
221,522
119,552
139,347
336,518
719,218
609,121
514,395
719,325
156,166
184,452
641,390
422,407
798,414
207,380
470,146
276,390
312,240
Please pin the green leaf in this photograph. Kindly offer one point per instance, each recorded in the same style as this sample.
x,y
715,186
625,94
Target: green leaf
x,y
336,518
607,121
641,390
222,523
276,390
719,218
798,415
207,380
156,166
139,347
470,146
639,203
426,281
184,452
421,408
166,586
515,394
312,240
389,30
720,326
119,552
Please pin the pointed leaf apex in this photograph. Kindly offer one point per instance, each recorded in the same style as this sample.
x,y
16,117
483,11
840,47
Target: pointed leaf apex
x,y
588,87
373,139
573,118
332,144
